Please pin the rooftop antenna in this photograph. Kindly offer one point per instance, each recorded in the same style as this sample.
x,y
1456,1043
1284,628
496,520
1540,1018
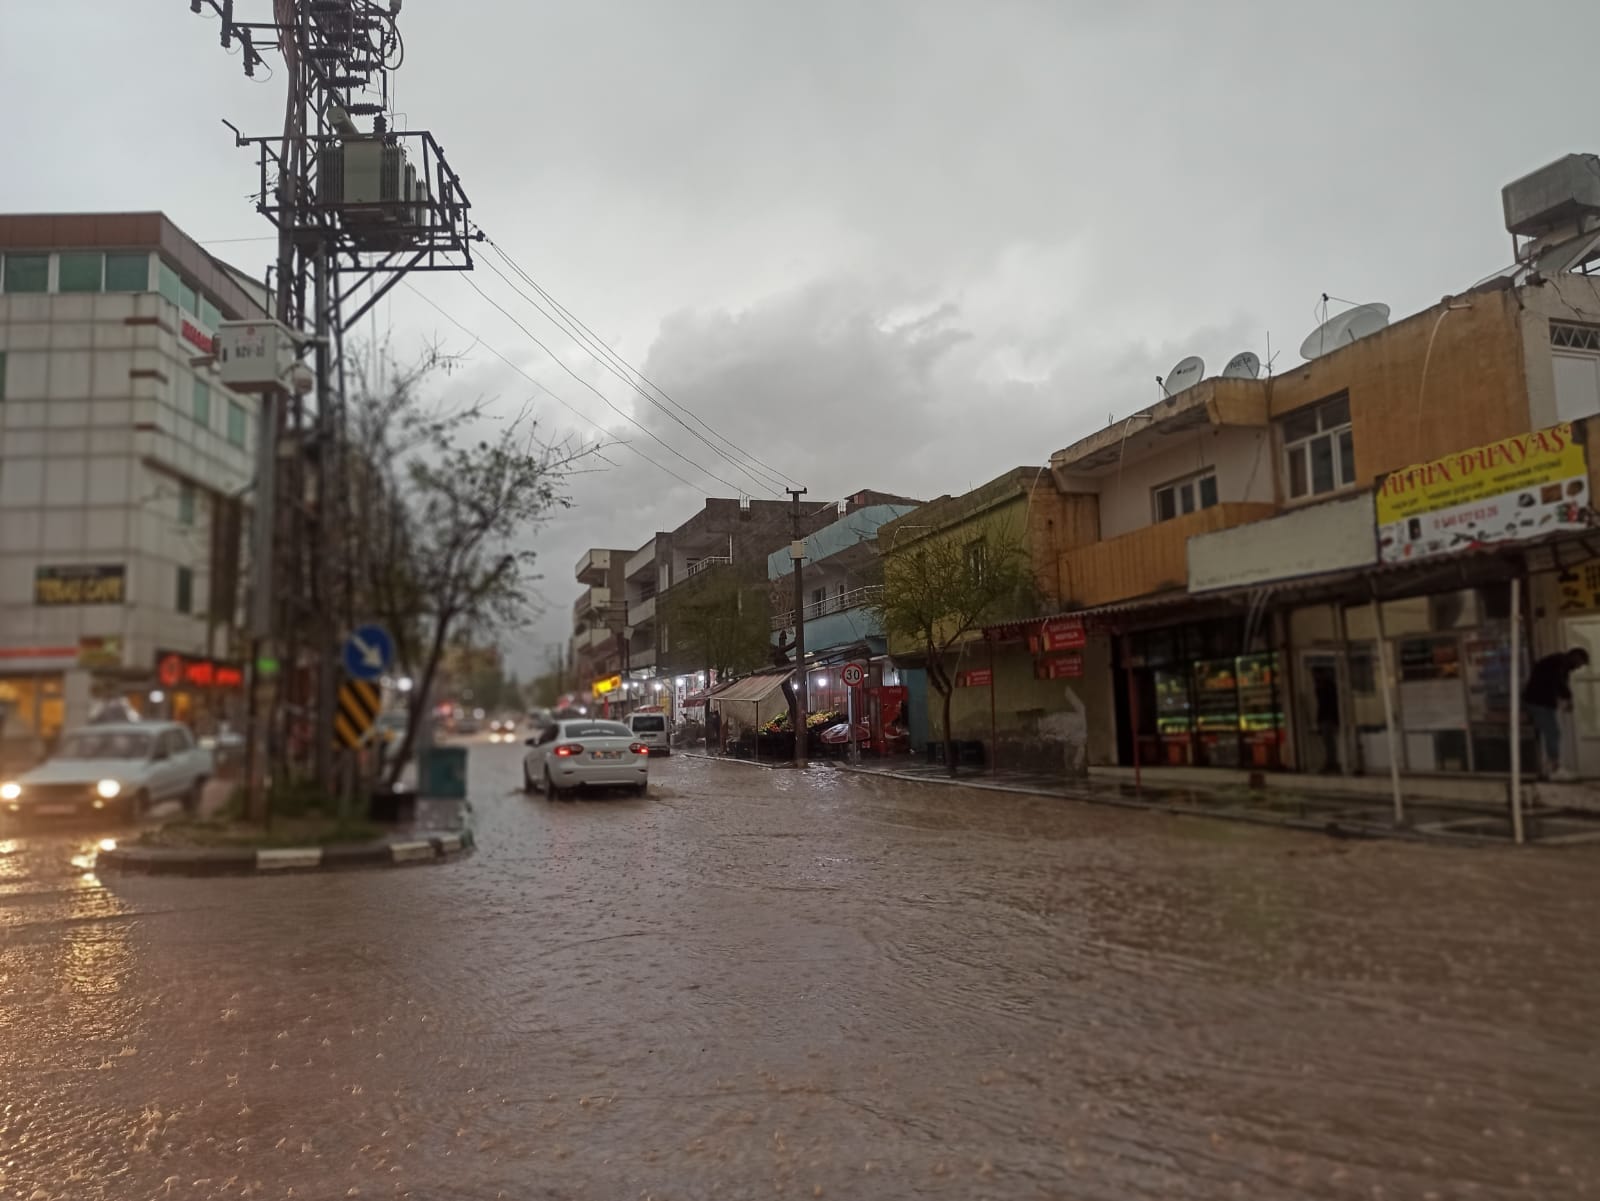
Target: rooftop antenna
x,y
1185,374
1349,326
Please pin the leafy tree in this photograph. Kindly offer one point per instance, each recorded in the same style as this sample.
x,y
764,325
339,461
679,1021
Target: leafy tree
x,y
941,588
720,620
440,518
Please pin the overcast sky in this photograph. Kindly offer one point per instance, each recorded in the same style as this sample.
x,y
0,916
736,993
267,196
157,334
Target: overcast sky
x,y
900,244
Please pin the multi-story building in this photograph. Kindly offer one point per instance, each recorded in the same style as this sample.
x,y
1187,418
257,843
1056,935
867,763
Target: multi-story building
x,y
124,469
599,617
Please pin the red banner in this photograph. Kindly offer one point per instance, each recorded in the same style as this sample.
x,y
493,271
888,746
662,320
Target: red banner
x,y
1063,634
1064,667
979,677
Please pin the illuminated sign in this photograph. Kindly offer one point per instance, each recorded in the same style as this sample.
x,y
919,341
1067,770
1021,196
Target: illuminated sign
x,y
609,684
80,584
189,671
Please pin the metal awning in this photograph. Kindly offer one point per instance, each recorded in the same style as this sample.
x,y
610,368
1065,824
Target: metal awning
x,y
752,688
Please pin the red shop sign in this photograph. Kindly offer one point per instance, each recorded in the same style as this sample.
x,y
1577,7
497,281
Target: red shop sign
x,y
175,670
1063,634
979,677
195,336
1064,667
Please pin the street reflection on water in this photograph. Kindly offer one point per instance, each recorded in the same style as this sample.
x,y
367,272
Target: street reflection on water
x,y
773,983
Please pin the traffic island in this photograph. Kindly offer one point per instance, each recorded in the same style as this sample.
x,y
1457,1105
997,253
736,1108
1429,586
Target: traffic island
x,y
240,859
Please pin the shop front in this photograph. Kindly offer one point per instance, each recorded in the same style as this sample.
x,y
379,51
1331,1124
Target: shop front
x,y
203,693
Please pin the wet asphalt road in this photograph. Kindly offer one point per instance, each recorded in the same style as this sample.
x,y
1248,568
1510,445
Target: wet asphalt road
x,y
767,984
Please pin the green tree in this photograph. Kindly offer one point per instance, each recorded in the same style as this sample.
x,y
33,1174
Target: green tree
x,y
941,588
720,620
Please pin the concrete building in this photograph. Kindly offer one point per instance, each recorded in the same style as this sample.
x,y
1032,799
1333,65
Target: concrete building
x,y
124,468
599,616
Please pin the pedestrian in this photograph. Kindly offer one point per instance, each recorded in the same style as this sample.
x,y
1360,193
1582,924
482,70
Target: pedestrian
x,y
713,731
1547,692
1325,688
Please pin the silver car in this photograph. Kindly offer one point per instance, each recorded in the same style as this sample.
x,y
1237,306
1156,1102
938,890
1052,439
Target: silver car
x,y
585,753
117,769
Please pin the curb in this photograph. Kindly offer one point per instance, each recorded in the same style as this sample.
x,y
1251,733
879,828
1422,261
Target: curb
x,y
426,847
1330,826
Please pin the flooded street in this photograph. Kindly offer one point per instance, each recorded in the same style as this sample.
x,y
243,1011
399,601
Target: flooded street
x,y
762,983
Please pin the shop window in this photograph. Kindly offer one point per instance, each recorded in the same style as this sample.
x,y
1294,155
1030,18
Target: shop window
x,y
186,503
127,273
1182,497
236,423
80,272
1319,449
27,273
185,603
202,402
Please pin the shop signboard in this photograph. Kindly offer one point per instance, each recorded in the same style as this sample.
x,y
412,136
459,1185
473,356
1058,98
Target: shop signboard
x,y
978,677
100,652
1063,634
175,670
80,584
1520,488
607,685
1061,667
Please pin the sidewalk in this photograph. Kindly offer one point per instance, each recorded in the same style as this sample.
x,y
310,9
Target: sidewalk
x,y
1460,822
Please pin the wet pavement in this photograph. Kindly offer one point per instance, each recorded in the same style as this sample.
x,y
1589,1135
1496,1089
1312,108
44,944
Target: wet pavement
x,y
764,983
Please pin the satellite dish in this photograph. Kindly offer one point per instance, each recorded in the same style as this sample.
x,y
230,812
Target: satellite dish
x,y
1349,326
1186,374
1244,365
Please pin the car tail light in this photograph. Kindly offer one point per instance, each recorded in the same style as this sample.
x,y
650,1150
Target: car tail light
x,y
568,749
639,748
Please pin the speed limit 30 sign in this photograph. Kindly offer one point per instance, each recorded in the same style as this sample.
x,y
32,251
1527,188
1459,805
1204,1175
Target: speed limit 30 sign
x,y
853,675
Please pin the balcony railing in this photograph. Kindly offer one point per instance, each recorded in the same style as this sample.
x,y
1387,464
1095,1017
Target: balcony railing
x,y
709,561
841,602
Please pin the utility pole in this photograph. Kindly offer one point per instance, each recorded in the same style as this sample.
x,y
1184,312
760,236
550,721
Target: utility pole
x,y
355,209
797,555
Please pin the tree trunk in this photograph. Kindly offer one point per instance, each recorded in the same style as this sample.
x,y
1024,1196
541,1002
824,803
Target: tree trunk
x,y
420,690
949,739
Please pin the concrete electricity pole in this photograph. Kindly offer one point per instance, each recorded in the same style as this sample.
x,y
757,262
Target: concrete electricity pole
x,y
797,555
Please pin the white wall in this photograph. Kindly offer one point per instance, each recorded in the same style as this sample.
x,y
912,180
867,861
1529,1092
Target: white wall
x,y
1241,457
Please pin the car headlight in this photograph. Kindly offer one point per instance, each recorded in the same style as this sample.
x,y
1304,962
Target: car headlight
x,y
10,791
108,788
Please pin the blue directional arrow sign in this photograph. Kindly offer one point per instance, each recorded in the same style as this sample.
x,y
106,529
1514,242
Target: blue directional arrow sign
x,y
368,652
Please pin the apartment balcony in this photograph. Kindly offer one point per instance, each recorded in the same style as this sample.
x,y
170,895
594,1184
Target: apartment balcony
x,y
593,566
1145,561
642,561
642,613
837,620
706,564
640,657
593,604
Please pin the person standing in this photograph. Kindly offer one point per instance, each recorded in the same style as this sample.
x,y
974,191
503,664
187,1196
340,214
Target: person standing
x,y
1547,692
1325,689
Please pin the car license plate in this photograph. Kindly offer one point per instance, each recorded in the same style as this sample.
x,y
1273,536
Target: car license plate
x,y
55,810
608,754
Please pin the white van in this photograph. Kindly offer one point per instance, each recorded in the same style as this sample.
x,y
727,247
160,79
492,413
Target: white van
x,y
651,729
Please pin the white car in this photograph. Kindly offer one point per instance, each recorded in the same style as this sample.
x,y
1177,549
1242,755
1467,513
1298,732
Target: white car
x,y
119,769
585,753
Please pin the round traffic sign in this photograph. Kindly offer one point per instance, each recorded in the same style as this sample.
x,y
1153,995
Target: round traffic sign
x,y
853,674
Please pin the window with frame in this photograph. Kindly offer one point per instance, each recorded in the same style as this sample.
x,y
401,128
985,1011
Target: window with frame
x,y
202,402
80,271
1319,454
127,273
1575,356
978,560
1185,496
186,503
236,423
185,597
27,273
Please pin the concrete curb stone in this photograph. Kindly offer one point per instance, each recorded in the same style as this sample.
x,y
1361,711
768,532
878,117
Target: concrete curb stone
x,y
433,846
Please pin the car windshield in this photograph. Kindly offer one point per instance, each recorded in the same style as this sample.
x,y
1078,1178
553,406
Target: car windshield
x,y
122,744
596,729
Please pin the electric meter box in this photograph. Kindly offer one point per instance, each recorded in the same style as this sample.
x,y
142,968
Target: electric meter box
x,y
254,356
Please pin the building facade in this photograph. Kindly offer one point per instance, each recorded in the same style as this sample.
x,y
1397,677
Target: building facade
x,y
124,474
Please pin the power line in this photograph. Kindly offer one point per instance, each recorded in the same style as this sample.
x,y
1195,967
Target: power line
x,y
576,412
606,400
597,346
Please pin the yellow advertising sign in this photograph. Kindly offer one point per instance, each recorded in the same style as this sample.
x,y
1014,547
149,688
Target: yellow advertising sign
x,y
79,584
1526,486
609,684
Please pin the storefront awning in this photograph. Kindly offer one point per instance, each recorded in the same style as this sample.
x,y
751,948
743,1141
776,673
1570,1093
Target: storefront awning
x,y
751,688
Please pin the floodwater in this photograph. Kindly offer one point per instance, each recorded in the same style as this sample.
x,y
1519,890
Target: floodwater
x,y
761,983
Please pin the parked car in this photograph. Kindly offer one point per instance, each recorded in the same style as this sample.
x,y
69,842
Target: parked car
x,y
651,729
116,769
585,753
